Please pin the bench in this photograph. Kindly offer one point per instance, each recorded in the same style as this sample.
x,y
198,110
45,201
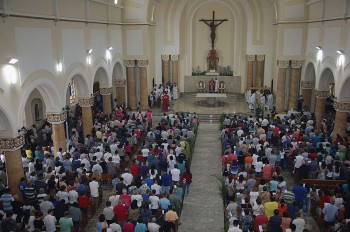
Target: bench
x,y
323,183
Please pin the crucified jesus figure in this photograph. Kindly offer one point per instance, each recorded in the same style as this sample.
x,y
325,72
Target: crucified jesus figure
x,y
213,24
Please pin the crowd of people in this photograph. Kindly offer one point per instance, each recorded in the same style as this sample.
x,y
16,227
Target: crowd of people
x,y
258,155
147,166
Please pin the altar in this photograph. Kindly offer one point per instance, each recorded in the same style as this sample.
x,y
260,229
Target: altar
x,y
211,97
233,83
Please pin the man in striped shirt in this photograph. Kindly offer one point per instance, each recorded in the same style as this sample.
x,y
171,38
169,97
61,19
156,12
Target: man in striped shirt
x,y
6,200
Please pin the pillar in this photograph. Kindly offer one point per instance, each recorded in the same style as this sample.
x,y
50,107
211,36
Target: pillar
x,y
281,83
320,106
294,84
250,65
85,104
165,69
260,70
132,101
58,132
106,99
306,91
13,157
144,85
175,69
341,115
120,85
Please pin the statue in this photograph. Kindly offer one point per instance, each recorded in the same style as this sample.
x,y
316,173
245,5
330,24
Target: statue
x,y
213,24
211,86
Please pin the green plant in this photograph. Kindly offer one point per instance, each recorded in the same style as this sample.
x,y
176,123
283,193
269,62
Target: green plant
x,y
221,121
222,187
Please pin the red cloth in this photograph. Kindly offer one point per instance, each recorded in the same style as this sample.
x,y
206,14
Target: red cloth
x,y
140,158
83,202
120,212
267,171
126,199
187,177
134,169
275,131
260,220
129,227
324,199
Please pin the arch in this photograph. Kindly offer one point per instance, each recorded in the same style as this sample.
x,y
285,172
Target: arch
x,y
49,92
7,124
101,74
81,81
310,73
344,93
326,79
118,72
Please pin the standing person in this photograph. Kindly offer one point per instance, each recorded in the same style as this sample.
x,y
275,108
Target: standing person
x,y
6,200
75,213
170,219
330,212
275,222
66,223
216,85
94,185
300,103
299,223
187,180
50,221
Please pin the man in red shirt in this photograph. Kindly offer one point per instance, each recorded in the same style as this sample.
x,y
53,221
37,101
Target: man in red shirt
x,y
260,220
121,213
134,169
129,227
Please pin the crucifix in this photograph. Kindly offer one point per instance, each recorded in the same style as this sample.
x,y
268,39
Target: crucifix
x,y
213,24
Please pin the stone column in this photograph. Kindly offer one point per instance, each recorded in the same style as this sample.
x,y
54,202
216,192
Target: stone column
x,y
120,85
281,84
294,84
250,65
58,132
320,105
85,104
175,69
132,101
14,166
106,99
341,115
260,70
306,91
165,69
144,86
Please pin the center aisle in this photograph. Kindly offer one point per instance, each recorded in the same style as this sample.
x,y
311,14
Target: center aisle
x,y
202,210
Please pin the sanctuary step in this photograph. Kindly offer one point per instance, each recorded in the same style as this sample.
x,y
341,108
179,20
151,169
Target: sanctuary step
x,y
213,118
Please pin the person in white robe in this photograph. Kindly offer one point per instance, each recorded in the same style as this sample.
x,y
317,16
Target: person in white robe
x,y
216,85
247,95
252,101
263,100
175,92
269,101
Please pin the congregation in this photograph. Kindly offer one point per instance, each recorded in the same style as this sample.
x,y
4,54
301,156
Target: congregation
x,y
147,167
259,154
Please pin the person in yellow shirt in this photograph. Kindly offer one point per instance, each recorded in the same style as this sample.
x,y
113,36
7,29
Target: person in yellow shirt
x,y
270,206
29,153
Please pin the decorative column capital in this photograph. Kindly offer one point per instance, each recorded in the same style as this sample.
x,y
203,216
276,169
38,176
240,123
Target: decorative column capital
x,y
283,63
321,94
341,106
250,57
165,57
56,118
106,91
12,144
297,63
142,63
120,83
129,63
174,57
260,57
86,102
307,84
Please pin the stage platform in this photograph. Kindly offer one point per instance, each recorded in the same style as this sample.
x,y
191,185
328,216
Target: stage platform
x,y
232,83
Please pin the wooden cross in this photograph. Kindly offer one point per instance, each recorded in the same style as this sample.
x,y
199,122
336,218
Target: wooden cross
x,y
213,24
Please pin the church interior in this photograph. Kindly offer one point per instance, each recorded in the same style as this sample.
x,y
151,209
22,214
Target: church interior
x,y
58,57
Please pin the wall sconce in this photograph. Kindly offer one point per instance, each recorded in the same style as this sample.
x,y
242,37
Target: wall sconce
x,y
89,51
11,74
319,55
88,60
13,61
115,1
108,54
59,67
318,47
110,48
341,58
340,52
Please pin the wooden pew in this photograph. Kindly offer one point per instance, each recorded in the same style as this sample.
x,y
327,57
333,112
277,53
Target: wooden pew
x,y
323,183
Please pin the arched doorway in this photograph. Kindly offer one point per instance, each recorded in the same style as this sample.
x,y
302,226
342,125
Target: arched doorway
x,y
119,84
308,88
101,81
